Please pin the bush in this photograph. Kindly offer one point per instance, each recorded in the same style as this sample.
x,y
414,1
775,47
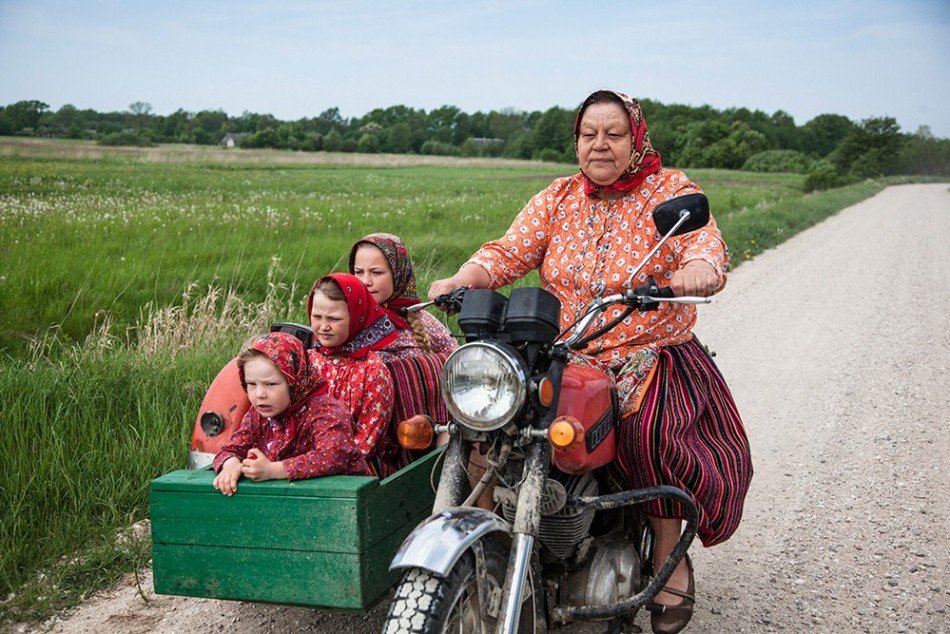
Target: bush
x,y
439,148
772,161
824,175
551,156
126,137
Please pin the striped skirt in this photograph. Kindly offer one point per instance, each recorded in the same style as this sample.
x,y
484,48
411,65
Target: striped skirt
x,y
688,433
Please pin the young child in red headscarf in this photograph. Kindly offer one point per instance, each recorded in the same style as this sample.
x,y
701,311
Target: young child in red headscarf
x,y
293,430
349,327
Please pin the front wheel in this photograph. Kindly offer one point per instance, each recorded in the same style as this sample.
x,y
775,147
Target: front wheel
x,y
425,603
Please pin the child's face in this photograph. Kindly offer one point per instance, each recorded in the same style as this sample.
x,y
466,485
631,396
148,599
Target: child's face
x,y
267,388
372,267
330,320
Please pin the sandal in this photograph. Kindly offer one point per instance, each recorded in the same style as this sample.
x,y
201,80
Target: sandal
x,y
670,619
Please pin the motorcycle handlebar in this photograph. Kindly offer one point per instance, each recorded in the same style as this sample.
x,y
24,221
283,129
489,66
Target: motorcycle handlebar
x,y
646,297
450,302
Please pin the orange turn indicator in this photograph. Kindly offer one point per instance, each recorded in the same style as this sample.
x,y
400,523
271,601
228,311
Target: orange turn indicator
x,y
545,392
415,432
564,431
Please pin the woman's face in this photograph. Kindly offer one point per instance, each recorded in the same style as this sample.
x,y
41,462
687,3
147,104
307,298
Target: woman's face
x,y
267,389
330,320
372,267
604,142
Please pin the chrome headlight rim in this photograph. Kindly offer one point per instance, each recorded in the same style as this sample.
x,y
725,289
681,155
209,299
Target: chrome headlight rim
x,y
511,360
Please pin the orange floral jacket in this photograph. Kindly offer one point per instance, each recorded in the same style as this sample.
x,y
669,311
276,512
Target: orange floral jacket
x,y
584,247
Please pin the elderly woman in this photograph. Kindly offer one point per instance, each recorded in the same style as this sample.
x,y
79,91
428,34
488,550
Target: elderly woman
x,y
586,234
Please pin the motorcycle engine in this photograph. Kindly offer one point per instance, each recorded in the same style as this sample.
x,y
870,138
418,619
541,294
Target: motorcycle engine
x,y
610,574
562,529
604,569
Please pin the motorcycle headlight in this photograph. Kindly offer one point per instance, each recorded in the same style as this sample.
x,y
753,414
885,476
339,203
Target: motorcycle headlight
x,y
484,385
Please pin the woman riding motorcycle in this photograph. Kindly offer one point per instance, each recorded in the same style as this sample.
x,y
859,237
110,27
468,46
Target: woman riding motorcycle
x,y
586,234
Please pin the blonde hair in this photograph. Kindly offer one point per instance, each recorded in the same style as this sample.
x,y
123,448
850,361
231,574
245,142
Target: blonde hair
x,y
419,331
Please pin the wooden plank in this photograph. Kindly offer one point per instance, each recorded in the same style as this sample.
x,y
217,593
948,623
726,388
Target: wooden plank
x,y
247,520
316,579
330,486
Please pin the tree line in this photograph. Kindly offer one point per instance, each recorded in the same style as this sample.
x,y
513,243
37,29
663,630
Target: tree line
x,y
831,149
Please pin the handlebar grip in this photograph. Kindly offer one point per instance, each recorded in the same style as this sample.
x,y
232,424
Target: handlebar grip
x,y
663,291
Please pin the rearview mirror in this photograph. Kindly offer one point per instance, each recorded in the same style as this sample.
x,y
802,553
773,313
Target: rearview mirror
x,y
669,213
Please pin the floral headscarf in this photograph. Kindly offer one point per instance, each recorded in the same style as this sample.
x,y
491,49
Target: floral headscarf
x,y
289,355
405,293
370,325
644,160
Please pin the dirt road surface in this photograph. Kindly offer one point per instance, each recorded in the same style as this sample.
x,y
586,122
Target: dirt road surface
x,y
837,348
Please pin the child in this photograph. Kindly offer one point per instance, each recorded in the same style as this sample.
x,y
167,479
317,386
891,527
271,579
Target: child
x,y
382,263
349,327
293,430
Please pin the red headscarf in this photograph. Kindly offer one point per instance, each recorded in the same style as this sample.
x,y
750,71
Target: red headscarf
x,y
644,160
370,326
289,355
405,293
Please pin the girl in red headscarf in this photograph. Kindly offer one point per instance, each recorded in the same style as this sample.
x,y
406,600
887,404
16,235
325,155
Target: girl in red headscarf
x,y
293,430
349,327
382,263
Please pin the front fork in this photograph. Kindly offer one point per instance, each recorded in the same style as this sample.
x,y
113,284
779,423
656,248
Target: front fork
x,y
524,532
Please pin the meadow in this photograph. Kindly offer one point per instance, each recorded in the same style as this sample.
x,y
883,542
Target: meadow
x,y
129,277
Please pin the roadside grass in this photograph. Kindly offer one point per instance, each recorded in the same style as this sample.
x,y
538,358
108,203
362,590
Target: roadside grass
x,y
126,286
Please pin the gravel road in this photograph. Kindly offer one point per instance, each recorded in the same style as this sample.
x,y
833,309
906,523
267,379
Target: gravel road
x,y
837,348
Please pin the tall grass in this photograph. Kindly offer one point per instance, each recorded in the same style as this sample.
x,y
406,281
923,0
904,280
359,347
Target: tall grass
x,y
126,286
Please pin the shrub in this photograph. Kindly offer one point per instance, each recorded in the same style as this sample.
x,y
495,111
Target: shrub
x,y
772,161
125,137
823,175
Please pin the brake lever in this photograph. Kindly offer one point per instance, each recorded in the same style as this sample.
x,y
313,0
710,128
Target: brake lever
x,y
450,302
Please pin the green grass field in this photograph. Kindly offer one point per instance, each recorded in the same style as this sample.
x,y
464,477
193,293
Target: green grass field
x,y
127,281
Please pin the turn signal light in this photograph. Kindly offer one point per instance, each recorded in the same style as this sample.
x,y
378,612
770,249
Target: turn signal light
x,y
545,392
415,432
565,431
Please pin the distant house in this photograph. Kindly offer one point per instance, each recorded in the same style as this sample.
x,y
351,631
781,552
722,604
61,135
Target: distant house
x,y
232,139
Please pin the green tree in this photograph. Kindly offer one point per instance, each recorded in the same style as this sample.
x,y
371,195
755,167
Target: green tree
x,y
368,144
820,136
399,138
924,154
734,150
870,150
24,114
552,137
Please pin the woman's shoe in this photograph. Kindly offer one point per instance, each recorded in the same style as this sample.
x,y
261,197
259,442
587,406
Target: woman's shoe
x,y
670,619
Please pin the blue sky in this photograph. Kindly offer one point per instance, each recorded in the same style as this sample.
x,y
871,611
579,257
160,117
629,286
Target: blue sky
x,y
295,59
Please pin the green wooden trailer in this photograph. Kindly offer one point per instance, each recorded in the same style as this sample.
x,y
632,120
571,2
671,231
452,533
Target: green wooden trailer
x,y
325,542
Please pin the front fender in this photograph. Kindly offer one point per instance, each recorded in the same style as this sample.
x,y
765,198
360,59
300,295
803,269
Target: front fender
x,y
437,543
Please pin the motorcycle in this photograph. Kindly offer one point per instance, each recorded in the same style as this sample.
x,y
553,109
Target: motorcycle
x,y
561,543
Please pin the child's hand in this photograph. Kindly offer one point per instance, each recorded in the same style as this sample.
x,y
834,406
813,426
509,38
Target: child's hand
x,y
258,468
227,479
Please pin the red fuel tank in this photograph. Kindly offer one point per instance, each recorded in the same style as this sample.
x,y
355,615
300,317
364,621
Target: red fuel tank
x,y
221,411
587,396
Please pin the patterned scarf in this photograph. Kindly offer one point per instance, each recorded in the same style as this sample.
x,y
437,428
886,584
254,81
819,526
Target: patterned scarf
x,y
405,293
290,357
644,160
370,325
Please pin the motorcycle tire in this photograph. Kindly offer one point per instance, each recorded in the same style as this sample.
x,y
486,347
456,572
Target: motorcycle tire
x,y
425,603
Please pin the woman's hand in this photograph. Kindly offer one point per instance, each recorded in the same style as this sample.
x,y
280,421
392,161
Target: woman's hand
x,y
469,276
227,479
258,468
441,287
697,278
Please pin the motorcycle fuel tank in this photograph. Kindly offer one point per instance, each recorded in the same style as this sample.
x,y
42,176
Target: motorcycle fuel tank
x,y
587,396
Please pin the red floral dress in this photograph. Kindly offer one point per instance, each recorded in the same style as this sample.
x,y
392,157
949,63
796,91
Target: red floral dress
x,y
365,387
313,436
